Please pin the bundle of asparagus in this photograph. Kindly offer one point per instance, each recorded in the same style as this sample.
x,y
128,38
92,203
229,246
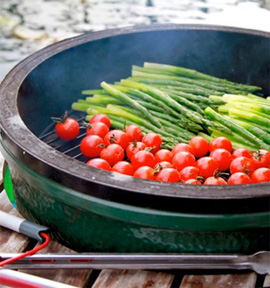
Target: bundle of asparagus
x,y
179,103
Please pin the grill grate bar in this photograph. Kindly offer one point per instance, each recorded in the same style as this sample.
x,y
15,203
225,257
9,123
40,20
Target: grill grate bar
x,y
70,148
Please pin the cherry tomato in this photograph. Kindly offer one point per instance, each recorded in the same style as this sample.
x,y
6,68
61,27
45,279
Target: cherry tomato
x,y
117,136
261,158
163,155
92,145
189,172
224,158
123,167
220,142
101,118
183,159
208,166
67,128
99,163
244,152
242,164
168,175
199,145
261,175
145,172
215,181
98,128
113,153
143,158
179,147
134,132
193,182
163,164
152,140
134,147
239,178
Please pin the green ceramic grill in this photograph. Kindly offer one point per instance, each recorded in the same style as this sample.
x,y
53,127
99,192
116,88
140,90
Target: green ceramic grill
x,y
93,210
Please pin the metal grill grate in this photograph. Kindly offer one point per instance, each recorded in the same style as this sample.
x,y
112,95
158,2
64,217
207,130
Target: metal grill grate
x,y
70,148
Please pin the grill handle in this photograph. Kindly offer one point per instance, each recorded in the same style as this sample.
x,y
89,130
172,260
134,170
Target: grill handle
x,y
23,226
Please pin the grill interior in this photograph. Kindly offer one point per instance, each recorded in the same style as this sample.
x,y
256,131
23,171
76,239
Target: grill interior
x,y
72,149
69,148
48,86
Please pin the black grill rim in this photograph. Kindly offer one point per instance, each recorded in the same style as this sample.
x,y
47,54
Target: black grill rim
x,y
58,166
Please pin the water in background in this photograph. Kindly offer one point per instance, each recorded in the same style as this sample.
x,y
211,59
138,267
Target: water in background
x,y
27,26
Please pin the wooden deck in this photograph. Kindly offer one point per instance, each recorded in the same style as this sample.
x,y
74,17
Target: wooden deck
x,y
12,242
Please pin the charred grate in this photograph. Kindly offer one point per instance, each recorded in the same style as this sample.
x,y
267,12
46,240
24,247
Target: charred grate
x,y
69,148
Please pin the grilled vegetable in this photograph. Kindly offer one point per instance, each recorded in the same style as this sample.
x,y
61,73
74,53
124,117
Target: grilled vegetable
x,y
66,128
179,103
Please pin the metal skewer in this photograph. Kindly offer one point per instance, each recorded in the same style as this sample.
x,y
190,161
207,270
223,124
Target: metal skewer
x,y
258,262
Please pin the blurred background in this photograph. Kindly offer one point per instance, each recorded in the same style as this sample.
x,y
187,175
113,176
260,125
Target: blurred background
x,y
27,26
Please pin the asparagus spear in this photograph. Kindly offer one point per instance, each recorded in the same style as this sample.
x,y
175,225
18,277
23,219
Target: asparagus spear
x,y
113,110
114,91
213,86
193,116
198,75
246,135
257,131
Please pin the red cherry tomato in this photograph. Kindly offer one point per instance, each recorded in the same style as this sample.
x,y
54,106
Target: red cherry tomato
x,y
208,166
189,172
199,145
241,152
261,158
261,175
134,132
224,158
99,163
215,181
92,145
193,182
242,164
123,167
113,153
183,159
134,147
101,118
153,141
179,147
168,175
98,128
143,158
163,164
145,172
239,178
220,142
67,129
163,155
117,136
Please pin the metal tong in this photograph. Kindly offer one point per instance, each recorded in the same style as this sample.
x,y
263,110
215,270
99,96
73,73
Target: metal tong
x,y
258,262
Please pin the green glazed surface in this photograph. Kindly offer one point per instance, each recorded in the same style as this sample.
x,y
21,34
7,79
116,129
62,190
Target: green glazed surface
x,y
85,223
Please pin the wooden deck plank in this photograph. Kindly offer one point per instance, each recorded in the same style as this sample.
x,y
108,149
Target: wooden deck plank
x,y
247,280
13,242
266,282
73,277
10,242
109,278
